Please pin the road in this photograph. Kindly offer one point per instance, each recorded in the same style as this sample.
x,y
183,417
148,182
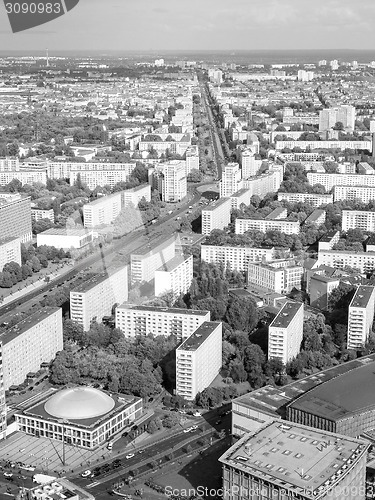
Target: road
x,y
100,485
124,247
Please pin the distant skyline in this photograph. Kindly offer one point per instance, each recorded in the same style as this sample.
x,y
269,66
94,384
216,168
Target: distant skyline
x,y
146,25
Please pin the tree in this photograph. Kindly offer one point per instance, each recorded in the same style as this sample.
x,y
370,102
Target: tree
x,y
26,271
237,371
338,126
242,314
170,421
254,360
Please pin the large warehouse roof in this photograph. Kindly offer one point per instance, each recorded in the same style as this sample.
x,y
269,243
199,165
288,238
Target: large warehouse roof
x,y
340,397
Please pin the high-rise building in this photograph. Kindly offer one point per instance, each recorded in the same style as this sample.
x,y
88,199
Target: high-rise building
x,y
320,288
361,316
249,164
15,217
328,117
148,259
192,159
135,195
95,298
216,215
3,406
10,251
230,180
174,276
284,461
285,333
29,343
199,360
136,321
174,181
241,197
263,184
102,211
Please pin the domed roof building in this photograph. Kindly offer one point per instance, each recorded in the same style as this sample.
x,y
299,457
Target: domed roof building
x,y
81,416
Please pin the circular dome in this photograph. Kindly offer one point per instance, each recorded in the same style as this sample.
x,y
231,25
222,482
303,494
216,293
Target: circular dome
x,y
79,403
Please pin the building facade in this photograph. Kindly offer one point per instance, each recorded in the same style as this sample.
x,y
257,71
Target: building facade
x,y
15,217
276,276
144,264
358,219
65,238
237,258
361,316
264,225
230,180
362,193
216,215
95,298
199,360
10,251
174,181
136,321
313,199
174,276
102,211
285,333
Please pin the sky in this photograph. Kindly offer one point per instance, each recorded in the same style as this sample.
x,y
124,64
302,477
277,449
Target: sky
x,y
144,25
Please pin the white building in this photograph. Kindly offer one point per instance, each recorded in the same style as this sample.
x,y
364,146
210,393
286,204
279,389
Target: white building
x,y
263,184
174,184
174,276
24,176
10,251
361,316
230,180
38,214
15,217
192,159
135,195
285,333
313,199
216,215
29,343
65,238
364,261
363,193
95,298
199,360
264,225
149,259
278,276
237,258
134,321
358,219
102,211
241,197
100,174
249,164
342,145
329,181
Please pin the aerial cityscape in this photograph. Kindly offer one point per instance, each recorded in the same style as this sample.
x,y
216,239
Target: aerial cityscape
x,y
187,252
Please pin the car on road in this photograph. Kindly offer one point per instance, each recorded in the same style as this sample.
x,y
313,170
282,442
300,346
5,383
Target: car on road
x,y
141,451
197,414
130,455
8,474
86,473
187,430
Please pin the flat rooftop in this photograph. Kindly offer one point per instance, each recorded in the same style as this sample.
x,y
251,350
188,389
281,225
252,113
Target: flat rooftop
x,y
240,192
65,232
199,336
104,199
171,265
27,323
155,246
94,280
286,315
277,213
327,237
295,457
216,204
273,400
165,310
342,396
362,296
315,215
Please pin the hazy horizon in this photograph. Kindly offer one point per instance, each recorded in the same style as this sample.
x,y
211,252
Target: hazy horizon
x,y
212,25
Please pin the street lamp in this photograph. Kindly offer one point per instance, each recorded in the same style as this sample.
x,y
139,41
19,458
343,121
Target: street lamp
x,y
62,422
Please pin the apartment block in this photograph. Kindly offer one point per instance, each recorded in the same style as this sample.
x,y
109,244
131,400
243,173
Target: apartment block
x,y
316,200
264,225
29,343
278,276
242,197
9,164
136,321
263,184
148,259
3,405
364,261
216,215
358,219
95,298
249,164
15,217
318,217
230,180
174,181
284,461
331,144
100,174
328,240
192,159
135,195
24,176
237,258
174,276
365,168
102,211
361,316
199,360
362,193
320,288
10,251
285,333
329,181
38,214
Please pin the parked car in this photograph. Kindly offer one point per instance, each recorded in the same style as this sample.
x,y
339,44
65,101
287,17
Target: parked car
x,y
86,473
130,455
8,474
